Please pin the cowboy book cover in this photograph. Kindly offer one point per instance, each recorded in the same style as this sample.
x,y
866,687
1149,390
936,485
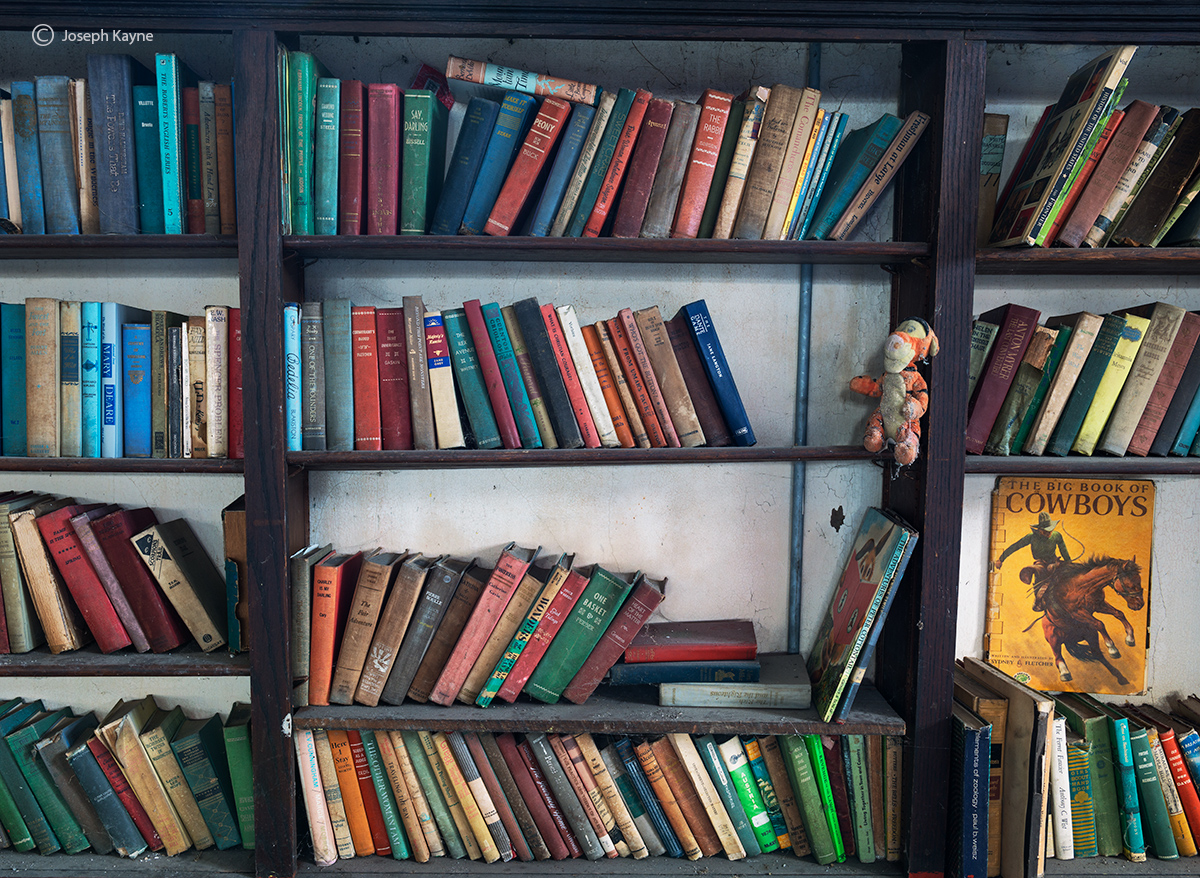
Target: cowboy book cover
x,y
1068,604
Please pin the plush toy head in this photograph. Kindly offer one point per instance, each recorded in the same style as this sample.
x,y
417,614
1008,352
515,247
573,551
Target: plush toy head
x,y
902,392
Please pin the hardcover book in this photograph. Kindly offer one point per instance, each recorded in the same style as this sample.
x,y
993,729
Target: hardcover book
x,y
187,576
701,640
783,683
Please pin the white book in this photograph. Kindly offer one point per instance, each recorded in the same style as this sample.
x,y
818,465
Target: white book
x,y
112,401
85,158
324,846
216,378
1060,787
446,422
587,376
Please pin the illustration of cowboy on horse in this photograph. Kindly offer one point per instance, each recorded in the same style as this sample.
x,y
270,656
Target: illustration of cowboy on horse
x,y
1048,548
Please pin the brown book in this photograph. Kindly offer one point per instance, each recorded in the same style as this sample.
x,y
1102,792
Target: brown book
x,y
798,140
637,346
785,795
634,420
685,794
512,794
498,796
672,163
875,791
743,152
388,633
1084,327
223,97
779,115
1165,386
666,798
702,163
233,523
661,354
184,572
538,810
616,805
196,386
712,422
420,398
643,165
406,806
1017,324
374,579
1157,196
55,609
418,799
333,795
470,587
637,386
42,378
585,800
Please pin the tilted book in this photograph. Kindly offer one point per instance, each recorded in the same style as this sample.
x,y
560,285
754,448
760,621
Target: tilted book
x,y
779,116
970,743
436,587
464,165
668,175
1084,327
1108,389
1017,324
374,581
187,576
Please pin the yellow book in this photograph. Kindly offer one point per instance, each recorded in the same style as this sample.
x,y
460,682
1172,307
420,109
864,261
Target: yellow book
x,y
466,799
333,796
156,738
420,804
450,795
1175,814
689,757
808,158
1111,384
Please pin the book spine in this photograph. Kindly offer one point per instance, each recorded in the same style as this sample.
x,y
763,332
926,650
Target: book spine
x,y
350,157
424,158
66,829
448,426
389,808
1016,329
520,639
562,169
665,367
197,386
672,165
440,584
708,413
1133,842
480,823
170,771
80,577
879,176
589,383
151,214
383,142
84,146
414,817
518,822
114,120
1153,419
643,167
608,386
326,155
766,791
338,823
510,373
565,796
529,378
28,155
12,379
556,613
42,377
502,145
394,407
497,75
482,796
473,136
365,379
324,846
1155,817
121,829
698,176
1083,814
539,812
1108,388
734,757
61,197
136,358
789,805
70,404
446,634
223,116
649,801
1060,793
618,164
532,764
171,139
445,828
712,355
1185,844
582,167
241,780
339,374
207,153
493,380
543,134
856,169
544,360
216,379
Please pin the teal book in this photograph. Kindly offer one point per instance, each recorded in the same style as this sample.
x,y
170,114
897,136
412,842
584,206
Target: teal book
x,y
1133,841
149,167
29,159
599,169
303,72
59,193
339,376
325,163
171,76
859,152
15,828
89,377
515,117
816,754
561,169
241,768
766,789
4,172
1156,822
121,829
1039,392
804,784
387,799
710,755
199,745
21,743
470,379
291,375
12,378
510,372
829,151
423,160
70,426
469,149
1080,399
135,360
1183,439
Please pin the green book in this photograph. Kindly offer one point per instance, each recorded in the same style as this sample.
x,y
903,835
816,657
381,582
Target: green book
x,y
433,795
599,168
1080,756
816,753
712,204
326,142
469,379
1039,393
1080,399
15,797
424,159
734,757
21,744
804,784
854,752
1157,822
580,632
710,755
766,789
1019,398
24,629
387,799
1084,720
241,768
303,72
199,744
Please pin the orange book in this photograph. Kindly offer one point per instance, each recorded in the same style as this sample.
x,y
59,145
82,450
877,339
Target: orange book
x,y
370,799
612,399
638,347
566,366
702,163
637,387
333,587
352,801
686,796
606,199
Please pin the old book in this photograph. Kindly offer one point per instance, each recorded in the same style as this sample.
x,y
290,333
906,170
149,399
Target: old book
x,y
542,357
312,793
672,165
522,829
470,384
783,683
470,587
196,381
716,366
123,833
797,146
450,818
184,572
643,167
1079,398
216,378
529,378
448,424
991,707
420,398
516,116
564,795
1162,187
1176,432
629,406
331,601
638,392
350,792
582,411
390,779
237,585
236,734
423,159
156,737
589,383
633,801
1108,389
608,386
1020,393
1016,324
582,167
59,617
1153,419
743,152
495,381
312,380
665,366
539,812
762,778
786,797
1059,807
708,412
485,823
395,415
549,798
365,378
22,745
463,167
685,752
42,377
1049,368
991,160
983,336
778,119
336,316
666,800
390,804
595,796
969,816
609,802
527,165
724,639
701,165
1084,327
1085,720
583,793
160,322
638,346
338,823
1083,814
858,154
24,628
687,796
383,825
51,752
22,814
300,579
563,590
402,770
374,580
606,195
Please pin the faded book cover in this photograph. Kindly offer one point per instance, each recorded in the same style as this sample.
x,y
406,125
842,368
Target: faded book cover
x,y
1069,582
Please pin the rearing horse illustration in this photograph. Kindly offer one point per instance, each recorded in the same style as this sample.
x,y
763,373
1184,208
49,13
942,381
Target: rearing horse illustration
x,y
1075,595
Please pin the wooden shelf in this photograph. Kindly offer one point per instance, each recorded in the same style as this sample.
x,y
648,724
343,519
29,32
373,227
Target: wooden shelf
x,y
624,710
1081,465
118,247
186,661
119,465
516,249
1106,260
190,864
483,459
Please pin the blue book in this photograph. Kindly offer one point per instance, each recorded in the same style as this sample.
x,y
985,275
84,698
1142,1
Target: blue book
x,y
291,374
110,95
325,187
1189,746
59,193
199,745
562,169
135,371
856,157
339,376
712,355
633,768
89,377
112,390
1188,429
653,673
171,76
510,372
516,115
833,143
472,143
4,171
811,172
12,378
710,755
469,378
970,755
151,217
599,168
29,161
120,826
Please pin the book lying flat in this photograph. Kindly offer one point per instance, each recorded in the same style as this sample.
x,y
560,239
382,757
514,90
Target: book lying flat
x,y
783,683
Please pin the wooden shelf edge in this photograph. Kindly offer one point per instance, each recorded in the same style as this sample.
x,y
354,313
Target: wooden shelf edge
x,y
1078,465
118,246
1079,261
90,662
190,864
119,465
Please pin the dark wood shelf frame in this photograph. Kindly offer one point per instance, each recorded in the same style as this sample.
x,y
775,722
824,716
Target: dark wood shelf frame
x,y
118,246
1085,260
90,662
119,465
1085,466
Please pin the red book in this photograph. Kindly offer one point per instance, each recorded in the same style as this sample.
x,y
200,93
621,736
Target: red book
x,y
1166,385
370,799
333,589
190,109
533,800
488,775
395,415
498,591
237,432
606,199
350,158
1017,324
120,785
82,525
547,126
637,387
383,158
547,797
643,165
552,620
492,378
1081,179
164,629
718,640
634,336
81,580
364,345
566,367
702,162
633,615
1179,772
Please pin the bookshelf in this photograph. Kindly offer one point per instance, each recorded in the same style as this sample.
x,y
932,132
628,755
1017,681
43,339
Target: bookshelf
x,y
922,262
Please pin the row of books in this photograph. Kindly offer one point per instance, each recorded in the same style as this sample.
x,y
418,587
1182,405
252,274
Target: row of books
x,y
143,778
1121,383
417,794
769,164
1092,175
76,572
521,376
125,150
101,379
1070,776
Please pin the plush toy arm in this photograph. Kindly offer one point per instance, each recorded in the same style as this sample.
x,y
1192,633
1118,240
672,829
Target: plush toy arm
x,y
866,385
917,400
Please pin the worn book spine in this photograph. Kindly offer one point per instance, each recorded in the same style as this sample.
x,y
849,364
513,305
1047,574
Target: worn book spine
x,y
566,430
1017,324
1101,139
339,374
661,355
533,766
529,378
440,583
325,850
689,759
1020,394
448,426
1050,369
638,347
121,829
383,141
636,386
351,792
110,92
796,145
432,781
610,185
374,580
562,170
733,755
338,823
364,341
184,572
515,118
543,134
208,158
1076,384
716,366
565,796
704,402
70,403
133,806
385,828
498,642
1108,389
157,742
483,819
627,406
686,796
424,159
608,387
570,586
446,635
1162,188
702,162
43,377
191,162
583,766
1083,816
402,773
389,805
135,355
236,737
28,158
216,395
523,832
545,825
466,157
1153,807
486,73
59,618
766,791
643,166
516,395
633,769
589,383
672,165
779,116
61,196
312,370
350,157
582,794
493,379
583,166
398,783
395,415
420,399
743,152
1153,419
485,786
556,339
471,386
786,796
22,744
1184,842
195,381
